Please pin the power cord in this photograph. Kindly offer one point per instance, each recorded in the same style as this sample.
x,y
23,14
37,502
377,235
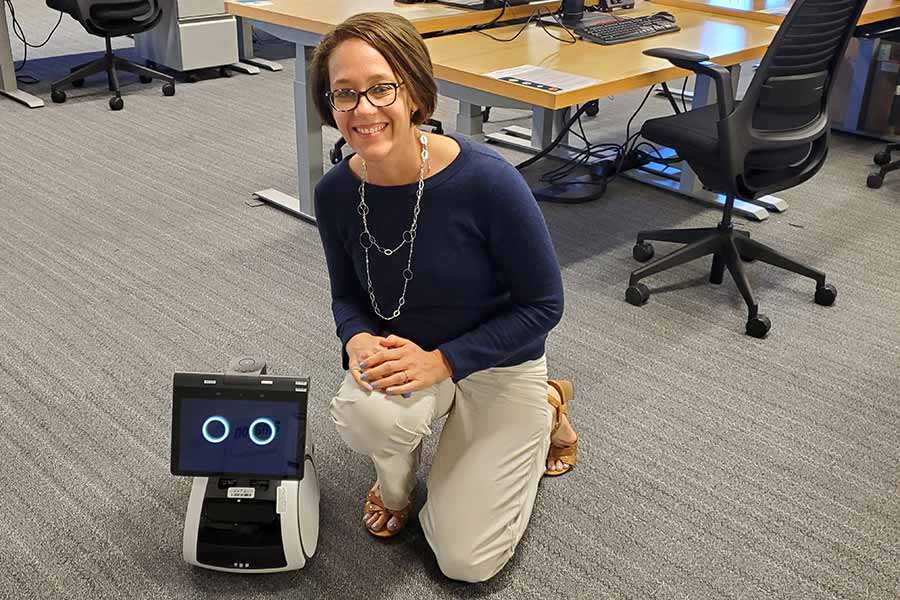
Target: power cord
x,y
20,33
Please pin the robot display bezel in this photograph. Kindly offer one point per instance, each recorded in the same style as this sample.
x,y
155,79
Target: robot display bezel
x,y
239,387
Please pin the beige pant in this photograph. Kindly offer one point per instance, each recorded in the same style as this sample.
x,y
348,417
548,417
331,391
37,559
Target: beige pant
x,y
492,453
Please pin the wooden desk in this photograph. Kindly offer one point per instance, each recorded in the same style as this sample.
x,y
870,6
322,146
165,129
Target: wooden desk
x,y
773,11
463,59
461,62
304,22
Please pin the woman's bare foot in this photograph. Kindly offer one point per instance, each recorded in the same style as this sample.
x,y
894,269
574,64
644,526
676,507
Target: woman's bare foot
x,y
563,436
379,520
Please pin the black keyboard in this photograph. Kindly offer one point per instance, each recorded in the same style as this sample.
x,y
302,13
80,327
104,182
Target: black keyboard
x,y
626,30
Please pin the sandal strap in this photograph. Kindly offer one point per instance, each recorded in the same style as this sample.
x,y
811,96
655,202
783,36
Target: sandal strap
x,y
375,500
567,454
566,391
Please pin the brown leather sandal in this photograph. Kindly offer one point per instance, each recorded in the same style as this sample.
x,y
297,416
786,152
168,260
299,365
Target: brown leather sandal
x,y
374,505
568,454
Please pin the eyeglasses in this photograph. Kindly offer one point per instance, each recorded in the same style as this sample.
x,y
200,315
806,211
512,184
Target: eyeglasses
x,y
380,94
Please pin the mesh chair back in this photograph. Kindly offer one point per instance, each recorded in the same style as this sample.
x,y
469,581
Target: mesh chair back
x,y
785,110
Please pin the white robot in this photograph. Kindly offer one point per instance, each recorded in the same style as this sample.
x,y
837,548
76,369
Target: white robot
x,y
254,504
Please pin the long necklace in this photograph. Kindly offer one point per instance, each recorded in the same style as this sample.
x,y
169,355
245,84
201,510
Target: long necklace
x,y
367,240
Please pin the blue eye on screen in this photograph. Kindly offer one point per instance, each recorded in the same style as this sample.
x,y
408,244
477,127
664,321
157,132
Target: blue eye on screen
x,y
262,431
216,429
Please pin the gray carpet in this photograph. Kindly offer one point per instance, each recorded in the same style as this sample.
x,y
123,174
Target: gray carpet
x,y
713,465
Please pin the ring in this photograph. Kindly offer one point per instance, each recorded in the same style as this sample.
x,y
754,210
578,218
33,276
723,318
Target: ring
x,y
405,378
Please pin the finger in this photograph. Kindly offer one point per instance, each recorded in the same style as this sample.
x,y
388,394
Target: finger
x,y
357,376
405,389
394,378
376,374
379,357
393,341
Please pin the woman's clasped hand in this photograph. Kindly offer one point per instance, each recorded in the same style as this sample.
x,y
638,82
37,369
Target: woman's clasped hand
x,y
394,365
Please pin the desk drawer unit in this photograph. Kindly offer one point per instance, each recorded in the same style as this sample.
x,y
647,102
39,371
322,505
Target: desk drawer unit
x,y
207,42
193,34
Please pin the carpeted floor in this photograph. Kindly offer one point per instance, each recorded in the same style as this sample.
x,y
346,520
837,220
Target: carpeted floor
x,y
713,465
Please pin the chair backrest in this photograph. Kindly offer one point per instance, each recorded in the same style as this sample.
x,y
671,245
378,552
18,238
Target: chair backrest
x,y
778,135
112,18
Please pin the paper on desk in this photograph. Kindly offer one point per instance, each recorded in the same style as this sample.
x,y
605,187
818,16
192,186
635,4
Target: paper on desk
x,y
256,2
541,78
778,10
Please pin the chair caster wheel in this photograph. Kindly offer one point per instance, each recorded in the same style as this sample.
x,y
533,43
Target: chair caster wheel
x,y
224,72
116,103
882,158
593,108
145,78
58,96
874,181
637,294
642,251
168,89
77,83
758,326
826,295
190,77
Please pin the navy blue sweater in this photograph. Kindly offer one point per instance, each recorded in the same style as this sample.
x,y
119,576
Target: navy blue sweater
x,y
486,288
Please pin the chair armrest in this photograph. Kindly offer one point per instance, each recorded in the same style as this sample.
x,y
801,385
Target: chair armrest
x,y
700,64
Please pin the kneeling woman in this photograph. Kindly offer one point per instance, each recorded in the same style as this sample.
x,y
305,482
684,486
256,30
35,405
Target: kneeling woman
x,y
444,285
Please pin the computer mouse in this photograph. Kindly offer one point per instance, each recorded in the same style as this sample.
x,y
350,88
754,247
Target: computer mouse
x,y
665,15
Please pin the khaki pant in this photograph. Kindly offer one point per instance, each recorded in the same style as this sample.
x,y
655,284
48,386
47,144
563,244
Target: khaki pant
x,y
485,474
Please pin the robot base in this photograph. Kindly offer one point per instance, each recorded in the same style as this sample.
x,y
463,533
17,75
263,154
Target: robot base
x,y
252,525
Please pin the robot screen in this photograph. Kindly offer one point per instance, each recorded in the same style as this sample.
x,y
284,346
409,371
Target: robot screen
x,y
222,430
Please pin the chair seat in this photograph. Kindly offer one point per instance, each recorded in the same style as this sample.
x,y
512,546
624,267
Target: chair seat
x,y
694,135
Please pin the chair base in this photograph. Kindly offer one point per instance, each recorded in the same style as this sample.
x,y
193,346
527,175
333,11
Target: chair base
x,y
111,64
730,248
883,160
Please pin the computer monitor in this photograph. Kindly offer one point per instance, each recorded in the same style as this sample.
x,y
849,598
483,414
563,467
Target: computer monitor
x,y
239,425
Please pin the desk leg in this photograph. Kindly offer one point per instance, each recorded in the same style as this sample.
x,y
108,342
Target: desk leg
x,y
545,126
469,118
8,86
308,129
245,51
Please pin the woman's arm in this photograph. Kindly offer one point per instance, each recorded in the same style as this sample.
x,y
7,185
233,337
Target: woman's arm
x,y
522,252
349,301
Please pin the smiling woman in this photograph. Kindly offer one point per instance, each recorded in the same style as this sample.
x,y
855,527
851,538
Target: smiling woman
x,y
444,286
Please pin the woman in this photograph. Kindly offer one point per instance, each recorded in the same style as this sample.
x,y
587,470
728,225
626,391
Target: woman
x,y
444,285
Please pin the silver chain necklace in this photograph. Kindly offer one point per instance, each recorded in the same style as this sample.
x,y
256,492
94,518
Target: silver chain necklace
x,y
367,240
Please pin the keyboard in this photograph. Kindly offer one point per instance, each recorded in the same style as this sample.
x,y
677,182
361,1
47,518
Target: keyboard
x,y
626,29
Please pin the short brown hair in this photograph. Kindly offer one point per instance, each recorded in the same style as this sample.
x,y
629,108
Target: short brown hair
x,y
397,41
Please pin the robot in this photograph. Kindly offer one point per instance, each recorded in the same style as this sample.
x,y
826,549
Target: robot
x,y
241,435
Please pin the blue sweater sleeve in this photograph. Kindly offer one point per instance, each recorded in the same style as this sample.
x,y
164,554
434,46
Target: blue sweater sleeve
x,y
349,303
522,252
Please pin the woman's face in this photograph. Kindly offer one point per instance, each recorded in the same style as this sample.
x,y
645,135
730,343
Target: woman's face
x,y
374,132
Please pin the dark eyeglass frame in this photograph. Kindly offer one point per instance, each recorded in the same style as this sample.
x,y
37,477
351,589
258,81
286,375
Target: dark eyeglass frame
x,y
330,95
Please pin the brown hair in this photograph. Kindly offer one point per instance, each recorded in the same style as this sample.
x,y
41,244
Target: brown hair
x,y
397,41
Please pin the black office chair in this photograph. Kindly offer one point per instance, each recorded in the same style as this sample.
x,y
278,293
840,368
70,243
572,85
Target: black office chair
x,y
109,19
775,138
883,160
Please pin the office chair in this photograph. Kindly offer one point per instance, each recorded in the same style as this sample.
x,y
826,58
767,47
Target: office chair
x,y
773,139
109,19
883,160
